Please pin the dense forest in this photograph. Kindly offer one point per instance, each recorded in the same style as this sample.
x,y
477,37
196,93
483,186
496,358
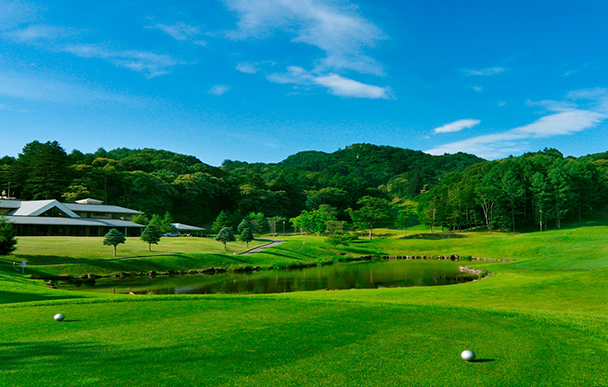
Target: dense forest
x,y
454,192
535,191
157,181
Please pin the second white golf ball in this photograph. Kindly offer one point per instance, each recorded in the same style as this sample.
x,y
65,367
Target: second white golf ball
x,y
468,355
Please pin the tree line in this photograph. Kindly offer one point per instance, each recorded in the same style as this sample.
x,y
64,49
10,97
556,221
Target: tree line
x,y
535,191
158,182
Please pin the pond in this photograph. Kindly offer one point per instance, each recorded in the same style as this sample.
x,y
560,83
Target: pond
x,y
353,275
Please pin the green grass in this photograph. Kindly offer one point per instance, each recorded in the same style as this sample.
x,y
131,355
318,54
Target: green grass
x,y
541,320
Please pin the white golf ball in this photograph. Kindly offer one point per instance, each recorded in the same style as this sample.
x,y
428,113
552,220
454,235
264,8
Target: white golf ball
x,y
468,355
59,317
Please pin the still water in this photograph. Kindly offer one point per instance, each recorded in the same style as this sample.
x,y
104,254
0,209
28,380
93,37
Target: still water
x,y
353,275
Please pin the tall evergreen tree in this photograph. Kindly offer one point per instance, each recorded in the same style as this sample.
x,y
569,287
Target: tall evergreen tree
x,y
44,170
222,221
513,189
8,242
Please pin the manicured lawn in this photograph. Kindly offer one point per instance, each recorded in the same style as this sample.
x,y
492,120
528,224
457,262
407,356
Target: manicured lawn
x,y
539,321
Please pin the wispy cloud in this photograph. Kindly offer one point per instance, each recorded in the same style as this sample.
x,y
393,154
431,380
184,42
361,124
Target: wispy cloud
x,y
514,140
17,24
42,88
579,69
337,28
181,31
457,126
580,110
141,61
553,106
485,72
335,84
15,12
219,89
39,33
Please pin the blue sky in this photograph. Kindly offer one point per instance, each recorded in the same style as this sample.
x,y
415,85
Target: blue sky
x,y
258,80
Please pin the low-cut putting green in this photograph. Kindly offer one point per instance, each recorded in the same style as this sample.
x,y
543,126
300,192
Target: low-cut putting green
x,y
541,320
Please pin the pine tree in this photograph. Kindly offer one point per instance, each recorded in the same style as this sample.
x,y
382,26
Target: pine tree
x,y
225,235
8,242
222,221
114,238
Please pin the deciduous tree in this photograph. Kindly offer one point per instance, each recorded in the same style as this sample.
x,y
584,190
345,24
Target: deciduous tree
x,y
373,213
151,235
246,236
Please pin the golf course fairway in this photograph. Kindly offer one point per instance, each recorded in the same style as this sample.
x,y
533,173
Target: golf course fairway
x,y
539,320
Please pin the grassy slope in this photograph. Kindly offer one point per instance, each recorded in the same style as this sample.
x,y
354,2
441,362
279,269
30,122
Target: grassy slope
x,y
540,320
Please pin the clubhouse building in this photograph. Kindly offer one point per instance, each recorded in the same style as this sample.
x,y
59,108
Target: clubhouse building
x,y
87,217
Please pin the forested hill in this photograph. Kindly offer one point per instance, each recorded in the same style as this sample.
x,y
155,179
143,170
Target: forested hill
x,y
405,172
158,181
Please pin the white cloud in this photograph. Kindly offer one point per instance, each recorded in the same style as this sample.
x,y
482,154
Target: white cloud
x,y
485,72
457,126
335,84
478,89
219,89
246,67
335,27
36,33
514,140
141,61
345,87
553,106
181,31
591,94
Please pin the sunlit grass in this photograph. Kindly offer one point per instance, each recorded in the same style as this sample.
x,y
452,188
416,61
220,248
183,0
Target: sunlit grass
x,y
540,320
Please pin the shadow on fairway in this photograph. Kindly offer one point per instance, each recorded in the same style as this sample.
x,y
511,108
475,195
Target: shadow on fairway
x,y
13,355
12,297
434,237
481,360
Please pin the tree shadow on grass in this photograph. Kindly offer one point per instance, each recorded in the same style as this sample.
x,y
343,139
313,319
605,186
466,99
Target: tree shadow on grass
x,y
13,297
14,355
434,237
275,253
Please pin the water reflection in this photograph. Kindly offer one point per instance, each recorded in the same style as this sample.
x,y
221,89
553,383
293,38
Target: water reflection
x,y
354,275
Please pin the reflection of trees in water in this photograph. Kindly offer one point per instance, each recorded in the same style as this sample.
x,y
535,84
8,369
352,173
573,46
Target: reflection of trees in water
x,y
355,275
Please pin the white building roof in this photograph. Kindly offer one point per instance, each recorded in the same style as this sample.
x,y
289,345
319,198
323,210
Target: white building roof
x,y
38,207
100,208
50,221
186,227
